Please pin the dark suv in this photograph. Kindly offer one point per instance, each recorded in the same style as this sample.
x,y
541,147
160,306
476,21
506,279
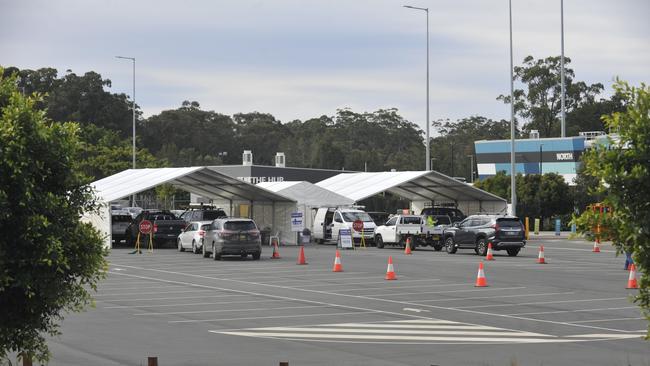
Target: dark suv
x,y
477,231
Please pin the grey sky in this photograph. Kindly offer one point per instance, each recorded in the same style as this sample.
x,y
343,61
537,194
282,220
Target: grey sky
x,y
302,59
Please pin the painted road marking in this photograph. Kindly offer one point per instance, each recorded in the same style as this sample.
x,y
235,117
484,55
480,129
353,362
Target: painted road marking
x,y
231,310
271,317
576,311
540,303
415,310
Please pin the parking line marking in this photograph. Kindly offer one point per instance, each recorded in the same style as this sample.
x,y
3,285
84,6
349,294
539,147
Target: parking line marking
x,y
576,311
187,304
151,293
605,320
101,289
170,298
272,317
540,303
448,292
230,310
498,296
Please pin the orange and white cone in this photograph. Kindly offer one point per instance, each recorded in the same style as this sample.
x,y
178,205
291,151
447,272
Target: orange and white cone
x,y
489,256
480,277
631,280
390,272
338,267
301,256
276,252
407,247
596,246
540,257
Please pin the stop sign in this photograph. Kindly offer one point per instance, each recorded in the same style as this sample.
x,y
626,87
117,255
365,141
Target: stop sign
x,y
357,225
145,227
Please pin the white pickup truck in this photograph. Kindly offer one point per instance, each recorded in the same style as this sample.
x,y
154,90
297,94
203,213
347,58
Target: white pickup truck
x,y
400,227
397,229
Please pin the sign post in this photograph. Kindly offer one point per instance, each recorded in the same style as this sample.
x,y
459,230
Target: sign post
x,y
297,224
357,226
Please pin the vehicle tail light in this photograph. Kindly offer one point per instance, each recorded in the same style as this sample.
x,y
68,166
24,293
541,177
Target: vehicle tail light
x,y
254,234
155,228
201,233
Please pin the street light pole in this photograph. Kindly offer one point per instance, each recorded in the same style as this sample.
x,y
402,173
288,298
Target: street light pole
x,y
428,152
471,168
133,108
562,68
513,191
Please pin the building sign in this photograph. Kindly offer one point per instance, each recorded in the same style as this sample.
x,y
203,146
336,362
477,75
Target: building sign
x,y
255,180
564,156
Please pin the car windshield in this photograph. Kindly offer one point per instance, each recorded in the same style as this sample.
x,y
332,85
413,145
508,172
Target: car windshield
x,y
239,225
354,216
212,215
509,223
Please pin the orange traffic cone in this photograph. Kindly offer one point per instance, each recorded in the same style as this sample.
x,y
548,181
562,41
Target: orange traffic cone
x,y
407,248
540,257
489,256
631,281
390,272
301,256
337,263
276,252
596,247
480,277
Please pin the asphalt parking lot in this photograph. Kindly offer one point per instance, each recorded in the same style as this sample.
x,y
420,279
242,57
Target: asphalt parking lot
x,y
189,310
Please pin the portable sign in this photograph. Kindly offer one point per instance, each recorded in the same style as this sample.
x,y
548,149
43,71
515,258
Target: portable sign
x,y
145,227
357,225
297,221
345,238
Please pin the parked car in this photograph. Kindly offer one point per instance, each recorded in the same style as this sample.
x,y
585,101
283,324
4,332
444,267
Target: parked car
x,y
329,221
477,231
203,214
192,236
398,229
166,227
455,214
120,221
232,236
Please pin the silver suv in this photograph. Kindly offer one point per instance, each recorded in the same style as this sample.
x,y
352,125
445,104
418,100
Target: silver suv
x,y
231,236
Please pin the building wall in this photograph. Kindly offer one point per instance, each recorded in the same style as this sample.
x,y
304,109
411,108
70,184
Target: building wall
x,y
557,155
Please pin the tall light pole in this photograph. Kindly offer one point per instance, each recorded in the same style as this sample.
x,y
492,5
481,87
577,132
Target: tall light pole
x,y
562,67
133,108
428,152
471,168
513,190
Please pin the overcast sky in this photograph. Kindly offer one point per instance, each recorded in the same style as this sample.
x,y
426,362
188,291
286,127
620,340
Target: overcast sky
x,y
301,59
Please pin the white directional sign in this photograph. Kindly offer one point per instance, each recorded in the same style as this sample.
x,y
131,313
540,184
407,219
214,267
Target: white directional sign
x,y
297,221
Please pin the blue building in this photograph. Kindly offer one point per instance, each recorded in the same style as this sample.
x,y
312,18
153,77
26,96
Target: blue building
x,y
559,155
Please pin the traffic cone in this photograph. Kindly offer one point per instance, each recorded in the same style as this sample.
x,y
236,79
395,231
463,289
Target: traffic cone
x,y
390,272
540,257
337,263
276,252
301,256
631,280
596,247
480,277
489,256
407,248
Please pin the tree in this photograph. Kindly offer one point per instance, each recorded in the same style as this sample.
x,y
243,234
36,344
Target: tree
x,y
540,104
622,169
49,259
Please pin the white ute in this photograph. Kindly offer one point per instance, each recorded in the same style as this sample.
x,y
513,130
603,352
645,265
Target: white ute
x,y
397,229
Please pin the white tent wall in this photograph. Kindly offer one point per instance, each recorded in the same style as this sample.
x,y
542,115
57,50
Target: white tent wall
x,y
467,207
101,220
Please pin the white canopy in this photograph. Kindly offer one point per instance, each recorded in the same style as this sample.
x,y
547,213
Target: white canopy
x,y
306,193
422,186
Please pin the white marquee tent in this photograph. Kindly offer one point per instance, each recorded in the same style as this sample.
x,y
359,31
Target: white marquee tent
x,y
200,180
421,187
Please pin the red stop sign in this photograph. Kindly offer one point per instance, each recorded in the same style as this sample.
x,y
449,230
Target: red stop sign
x,y
357,225
145,227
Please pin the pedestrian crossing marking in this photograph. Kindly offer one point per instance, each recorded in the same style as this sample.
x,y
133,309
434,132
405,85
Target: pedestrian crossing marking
x,y
419,331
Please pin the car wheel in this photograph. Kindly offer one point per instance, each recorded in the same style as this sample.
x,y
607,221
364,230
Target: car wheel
x,y
194,247
216,256
180,246
481,247
243,256
513,252
256,256
449,245
379,241
205,254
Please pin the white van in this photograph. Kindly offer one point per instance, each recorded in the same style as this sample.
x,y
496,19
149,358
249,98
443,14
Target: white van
x,y
328,221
